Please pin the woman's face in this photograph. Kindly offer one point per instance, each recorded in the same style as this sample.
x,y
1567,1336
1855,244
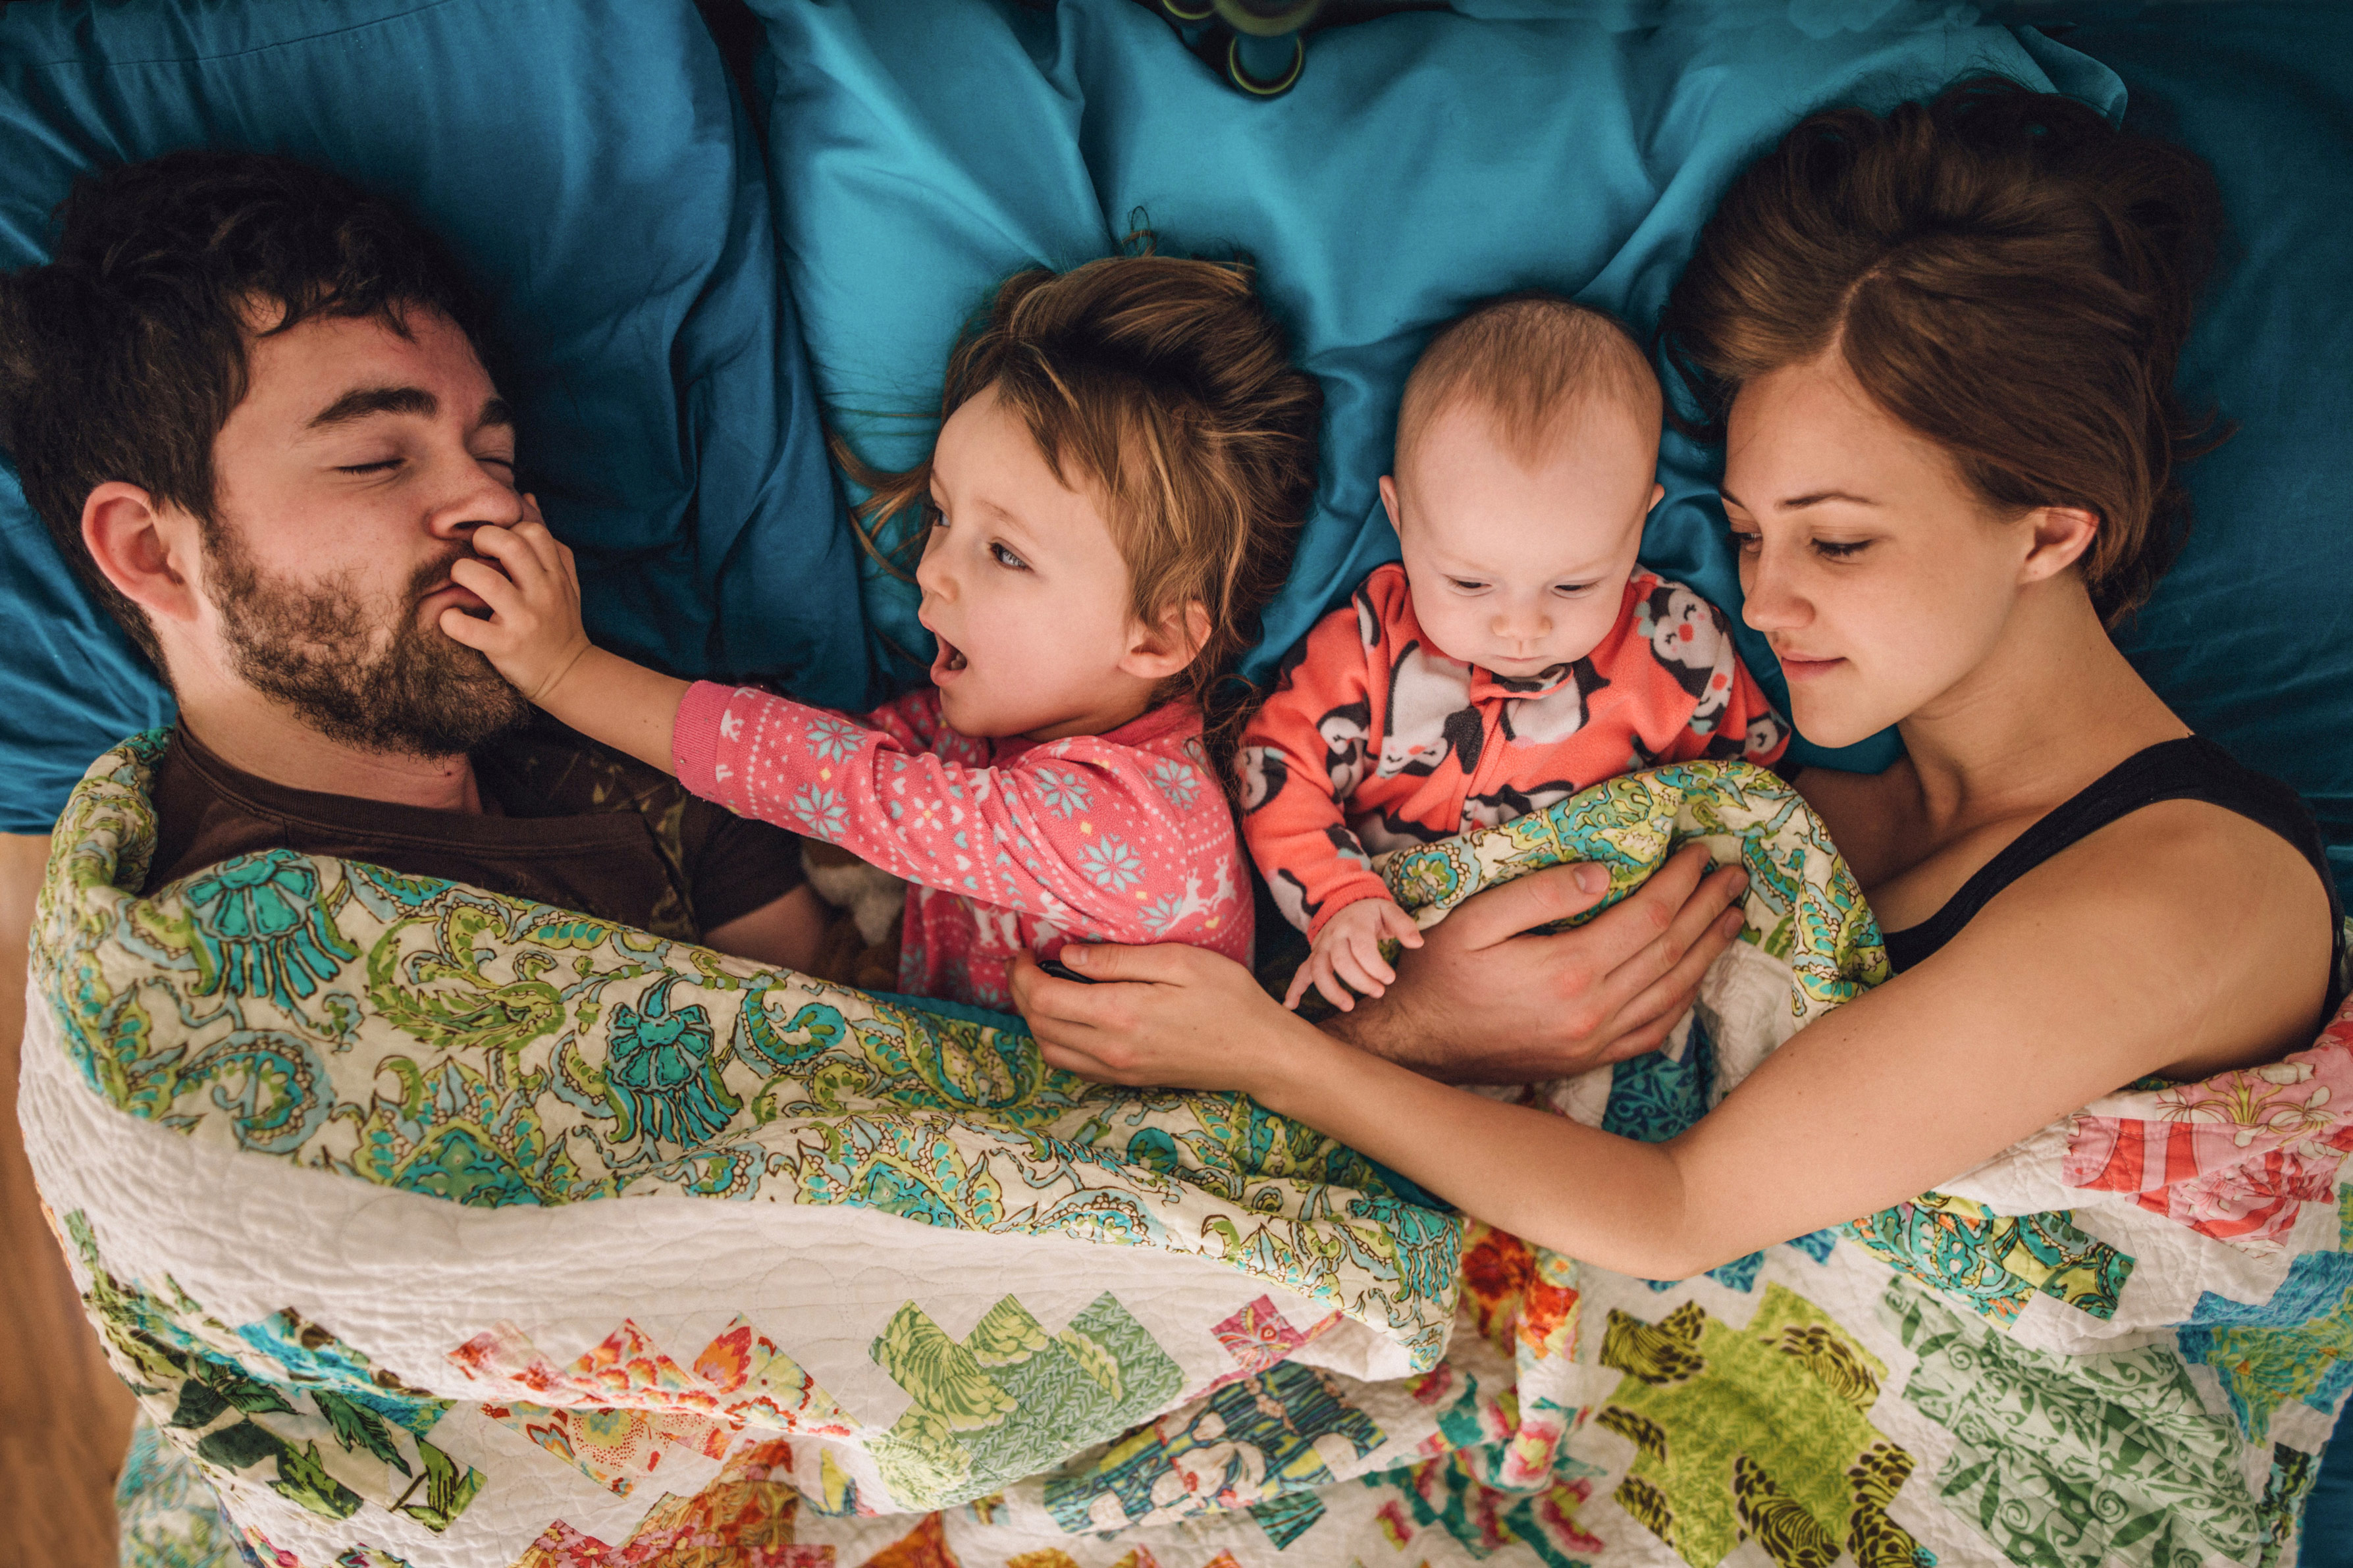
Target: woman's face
x,y
1879,575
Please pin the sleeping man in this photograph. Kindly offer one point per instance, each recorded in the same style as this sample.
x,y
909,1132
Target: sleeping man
x,y
249,402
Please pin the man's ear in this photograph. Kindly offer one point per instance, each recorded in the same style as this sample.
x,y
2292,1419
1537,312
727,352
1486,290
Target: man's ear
x,y
2061,536
147,551
1158,652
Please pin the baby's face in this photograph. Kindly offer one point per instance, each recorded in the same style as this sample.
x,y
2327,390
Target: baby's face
x,y
1520,568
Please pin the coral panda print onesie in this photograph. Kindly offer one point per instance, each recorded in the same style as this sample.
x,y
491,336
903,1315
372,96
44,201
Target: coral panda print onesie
x,y
1373,740
1009,846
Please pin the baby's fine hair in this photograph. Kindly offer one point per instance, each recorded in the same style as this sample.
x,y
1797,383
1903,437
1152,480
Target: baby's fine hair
x,y
1164,382
1529,361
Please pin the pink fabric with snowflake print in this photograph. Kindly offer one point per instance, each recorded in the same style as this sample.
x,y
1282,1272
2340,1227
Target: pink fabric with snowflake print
x,y
1009,846
2233,1156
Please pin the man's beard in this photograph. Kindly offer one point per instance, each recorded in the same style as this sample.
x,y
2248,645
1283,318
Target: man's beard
x,y
360,672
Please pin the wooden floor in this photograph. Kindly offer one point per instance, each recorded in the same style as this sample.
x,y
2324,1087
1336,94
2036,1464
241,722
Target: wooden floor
x,y
64,1418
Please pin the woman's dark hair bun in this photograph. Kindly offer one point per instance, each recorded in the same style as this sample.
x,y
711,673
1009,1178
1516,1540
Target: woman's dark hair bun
x,y
2004,271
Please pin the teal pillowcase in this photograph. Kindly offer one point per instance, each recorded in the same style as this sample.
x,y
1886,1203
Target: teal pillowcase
x,y
2250,636
924,149
592,164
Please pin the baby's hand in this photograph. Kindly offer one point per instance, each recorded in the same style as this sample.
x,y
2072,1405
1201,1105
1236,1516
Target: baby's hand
x,y
1348,949
534,636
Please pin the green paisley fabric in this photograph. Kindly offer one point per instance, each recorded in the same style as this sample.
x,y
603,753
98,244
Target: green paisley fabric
x,y
421,1035
1804,907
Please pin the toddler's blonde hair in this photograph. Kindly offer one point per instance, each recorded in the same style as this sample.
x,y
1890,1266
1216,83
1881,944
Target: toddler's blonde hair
x,y
1163,382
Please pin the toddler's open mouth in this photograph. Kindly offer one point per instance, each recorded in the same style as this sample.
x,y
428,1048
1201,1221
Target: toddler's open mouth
x,y
949,660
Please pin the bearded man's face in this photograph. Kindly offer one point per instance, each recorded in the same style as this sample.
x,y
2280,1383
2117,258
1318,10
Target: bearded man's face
x,y
351,478
361,668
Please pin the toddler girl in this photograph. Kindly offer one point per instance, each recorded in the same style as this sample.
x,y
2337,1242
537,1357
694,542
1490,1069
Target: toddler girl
x,y
1125,456
1514,657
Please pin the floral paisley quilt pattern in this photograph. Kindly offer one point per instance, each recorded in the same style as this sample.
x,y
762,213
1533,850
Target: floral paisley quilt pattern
x,y
431,1227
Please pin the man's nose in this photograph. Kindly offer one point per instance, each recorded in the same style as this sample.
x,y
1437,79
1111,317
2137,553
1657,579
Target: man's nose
x,y
477,493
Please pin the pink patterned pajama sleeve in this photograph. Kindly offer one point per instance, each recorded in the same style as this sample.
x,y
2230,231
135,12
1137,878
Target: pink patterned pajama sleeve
x,y
1009,846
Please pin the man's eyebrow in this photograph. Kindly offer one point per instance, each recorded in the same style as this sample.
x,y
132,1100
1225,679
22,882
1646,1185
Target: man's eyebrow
x,y
497,413
363,401
1795,503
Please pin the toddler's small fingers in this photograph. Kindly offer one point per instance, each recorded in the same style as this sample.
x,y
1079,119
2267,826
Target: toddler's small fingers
x,y
1300,980
1335,992
464,630
487,583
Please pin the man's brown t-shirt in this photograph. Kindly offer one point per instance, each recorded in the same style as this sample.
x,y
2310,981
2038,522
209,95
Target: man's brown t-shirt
x,y
570,823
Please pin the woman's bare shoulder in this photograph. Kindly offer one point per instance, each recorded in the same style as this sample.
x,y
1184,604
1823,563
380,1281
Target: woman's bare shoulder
x,y
2209,932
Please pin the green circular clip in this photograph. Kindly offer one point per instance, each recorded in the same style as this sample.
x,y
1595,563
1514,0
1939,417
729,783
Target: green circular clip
x,y
1264,87
1265,19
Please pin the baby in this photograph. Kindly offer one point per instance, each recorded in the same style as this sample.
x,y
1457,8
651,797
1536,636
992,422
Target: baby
x,y
1516,656
1125,454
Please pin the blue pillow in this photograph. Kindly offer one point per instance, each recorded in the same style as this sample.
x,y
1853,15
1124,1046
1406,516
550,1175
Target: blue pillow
x,y
592,164
923,149
2249,638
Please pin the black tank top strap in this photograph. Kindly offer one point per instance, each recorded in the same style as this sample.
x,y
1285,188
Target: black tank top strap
x,y
2192,768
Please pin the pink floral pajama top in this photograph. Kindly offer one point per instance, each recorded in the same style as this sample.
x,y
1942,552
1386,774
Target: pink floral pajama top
x,y
1008,846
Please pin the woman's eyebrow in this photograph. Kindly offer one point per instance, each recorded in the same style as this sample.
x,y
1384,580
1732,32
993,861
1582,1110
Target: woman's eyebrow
x,y
1794,503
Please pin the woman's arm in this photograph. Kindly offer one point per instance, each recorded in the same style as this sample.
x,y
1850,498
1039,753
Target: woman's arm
x,y
2161,940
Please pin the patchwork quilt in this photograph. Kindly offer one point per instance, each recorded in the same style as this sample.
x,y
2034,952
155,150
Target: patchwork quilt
x,y
433,1228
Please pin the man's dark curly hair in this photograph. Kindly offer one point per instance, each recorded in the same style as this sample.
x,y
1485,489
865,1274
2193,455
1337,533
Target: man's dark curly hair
x,y
121,359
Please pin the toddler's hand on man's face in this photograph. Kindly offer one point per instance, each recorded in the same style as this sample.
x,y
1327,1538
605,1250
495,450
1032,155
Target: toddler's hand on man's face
x,y
526,576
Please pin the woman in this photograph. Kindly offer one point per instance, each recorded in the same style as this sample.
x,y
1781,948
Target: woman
x,y
1944,344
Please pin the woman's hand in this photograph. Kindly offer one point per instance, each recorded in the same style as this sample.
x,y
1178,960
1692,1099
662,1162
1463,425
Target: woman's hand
x,y
1480,1003
534,636
1168,1016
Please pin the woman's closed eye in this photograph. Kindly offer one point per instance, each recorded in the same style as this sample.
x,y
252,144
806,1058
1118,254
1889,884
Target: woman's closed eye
x,y
1749,543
